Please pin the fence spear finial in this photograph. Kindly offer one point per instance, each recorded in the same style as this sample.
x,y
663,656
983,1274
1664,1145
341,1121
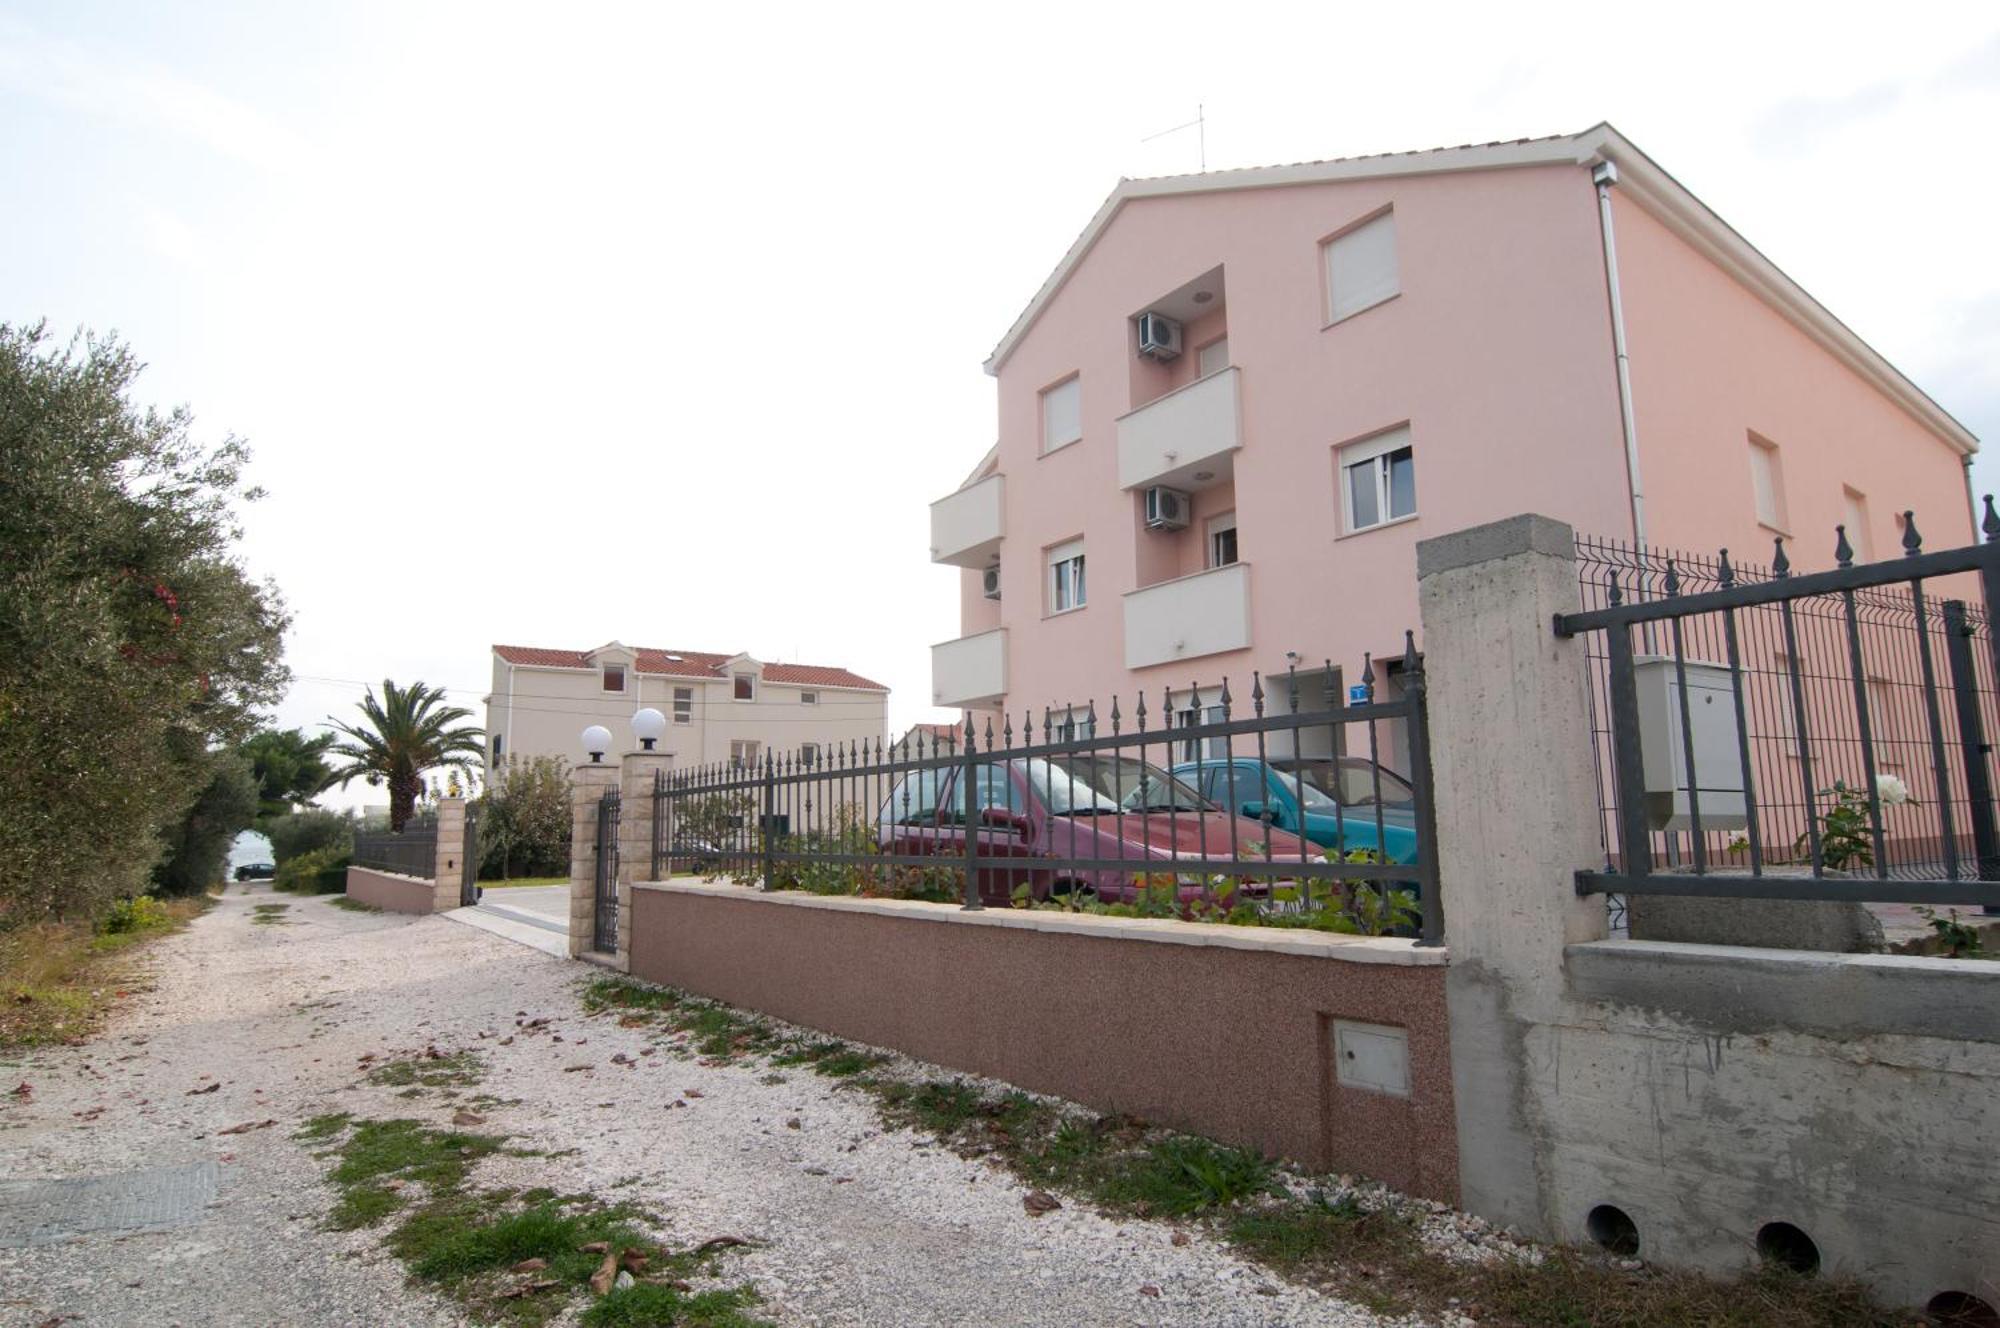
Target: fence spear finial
x,y
1368,676
1990,525
1913,543
1781,565
1257,693
1141,713
1225,697
1613,595
1007,728
1725,575
1673,581
1412,662
1843,552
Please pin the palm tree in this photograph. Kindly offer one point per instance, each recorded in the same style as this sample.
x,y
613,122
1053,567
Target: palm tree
x,y
406,733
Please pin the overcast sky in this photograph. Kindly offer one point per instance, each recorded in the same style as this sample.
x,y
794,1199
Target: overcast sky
x,y
554,324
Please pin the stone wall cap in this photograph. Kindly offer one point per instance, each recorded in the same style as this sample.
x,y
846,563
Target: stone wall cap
x,y
1391,950
1527,533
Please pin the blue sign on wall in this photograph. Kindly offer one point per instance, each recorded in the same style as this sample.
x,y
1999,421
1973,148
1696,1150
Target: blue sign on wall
x,y
1358,694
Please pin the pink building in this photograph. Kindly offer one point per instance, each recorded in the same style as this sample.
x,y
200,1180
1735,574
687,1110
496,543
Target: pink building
x,y
1242,398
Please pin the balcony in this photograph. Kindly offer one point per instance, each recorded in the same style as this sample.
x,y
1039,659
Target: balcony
x,y
1203,614
966,526
971,671
1186,439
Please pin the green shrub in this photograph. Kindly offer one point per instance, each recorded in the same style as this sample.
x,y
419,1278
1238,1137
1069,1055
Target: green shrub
x,y
309,831
320,872
139,913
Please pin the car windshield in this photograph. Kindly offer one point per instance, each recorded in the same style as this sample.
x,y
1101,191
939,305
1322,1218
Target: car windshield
x,y
1093,785
1350,781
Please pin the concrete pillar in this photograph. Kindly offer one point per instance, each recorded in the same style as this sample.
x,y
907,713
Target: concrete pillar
x,y
448,871
635,836
1517,817
587,784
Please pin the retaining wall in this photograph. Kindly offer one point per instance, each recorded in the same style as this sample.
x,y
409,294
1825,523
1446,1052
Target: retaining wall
x,y
396,893
1224,1031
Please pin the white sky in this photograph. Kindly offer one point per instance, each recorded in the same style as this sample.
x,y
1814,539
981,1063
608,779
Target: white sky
x,y
698,296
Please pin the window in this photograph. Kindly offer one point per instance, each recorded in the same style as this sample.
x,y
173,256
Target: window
x,y
994,787
1066,577
1361,267
499,746
1767,483
613,678
1378,480
808,698
1855,517
743,753
746,687
683,705
1192,716
1214,357
914,801
1062,414
1222,540
809,753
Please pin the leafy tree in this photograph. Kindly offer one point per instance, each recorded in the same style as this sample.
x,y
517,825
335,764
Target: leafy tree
x,y
290,767
524,824
410,730
133,645
198,847
309,831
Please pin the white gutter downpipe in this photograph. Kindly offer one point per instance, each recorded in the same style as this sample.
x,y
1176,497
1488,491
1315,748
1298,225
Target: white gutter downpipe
x,y
1604,175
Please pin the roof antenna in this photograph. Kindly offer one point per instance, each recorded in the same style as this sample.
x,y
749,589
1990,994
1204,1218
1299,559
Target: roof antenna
x,y
1199,124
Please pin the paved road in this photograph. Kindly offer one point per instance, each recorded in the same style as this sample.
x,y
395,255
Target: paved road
x,y
124,1202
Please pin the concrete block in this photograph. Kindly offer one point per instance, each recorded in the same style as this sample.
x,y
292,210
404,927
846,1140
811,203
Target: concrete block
x,y
1775,924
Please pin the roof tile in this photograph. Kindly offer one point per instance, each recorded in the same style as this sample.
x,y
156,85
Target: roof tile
x,y
690,664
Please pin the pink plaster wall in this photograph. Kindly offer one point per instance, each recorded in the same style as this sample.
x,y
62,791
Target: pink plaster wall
x,y
1712,363
1496,353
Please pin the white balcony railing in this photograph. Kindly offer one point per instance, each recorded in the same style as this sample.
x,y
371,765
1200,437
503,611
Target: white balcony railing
x,y
971,670
1202,614
966,526
1192,429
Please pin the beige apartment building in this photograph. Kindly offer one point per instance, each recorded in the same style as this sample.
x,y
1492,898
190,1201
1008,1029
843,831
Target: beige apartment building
x,y
718,707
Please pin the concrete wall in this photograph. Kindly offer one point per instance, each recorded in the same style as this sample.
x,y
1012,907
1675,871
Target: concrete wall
x,y
1703,1090
387,890
1225,1031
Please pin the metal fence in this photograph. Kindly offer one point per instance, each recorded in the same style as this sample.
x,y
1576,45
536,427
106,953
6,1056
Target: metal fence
x,y
1256,816
1770,734
411,853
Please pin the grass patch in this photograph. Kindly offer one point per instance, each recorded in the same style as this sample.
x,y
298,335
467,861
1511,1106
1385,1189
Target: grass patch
x,y
429,1068
1366,1249
524,880
471,1243
58,979
353,905
269,915
652,1304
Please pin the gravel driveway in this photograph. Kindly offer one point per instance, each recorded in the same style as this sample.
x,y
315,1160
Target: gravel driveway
x,y
191,1225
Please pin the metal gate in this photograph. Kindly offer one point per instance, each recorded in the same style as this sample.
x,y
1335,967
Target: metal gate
x,y
605,937
468,881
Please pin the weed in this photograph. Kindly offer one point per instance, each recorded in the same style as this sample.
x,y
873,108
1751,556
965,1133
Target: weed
x,y
322,1128
353,905
269,915
57,979
652,1304
430,1068
1184,1174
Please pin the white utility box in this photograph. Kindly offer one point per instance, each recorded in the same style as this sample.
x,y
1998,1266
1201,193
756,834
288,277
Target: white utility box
x,y
1372,1056
1718,771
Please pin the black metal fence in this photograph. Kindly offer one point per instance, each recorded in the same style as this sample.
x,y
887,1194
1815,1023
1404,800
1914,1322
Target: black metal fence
x,y
411,853
1191,809
1770,734
604,933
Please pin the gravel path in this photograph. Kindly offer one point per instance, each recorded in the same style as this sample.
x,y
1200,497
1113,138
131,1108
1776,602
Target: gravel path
x,y
854,1226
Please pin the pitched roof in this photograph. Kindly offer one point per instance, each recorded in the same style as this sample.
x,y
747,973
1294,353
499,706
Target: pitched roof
x,y
689,664
1640,178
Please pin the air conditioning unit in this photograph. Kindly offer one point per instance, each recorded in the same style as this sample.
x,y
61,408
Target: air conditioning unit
x,y
1166,509
1159,337
989,582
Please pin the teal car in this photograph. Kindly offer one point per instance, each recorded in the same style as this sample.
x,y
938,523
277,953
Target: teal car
x,y
1331,801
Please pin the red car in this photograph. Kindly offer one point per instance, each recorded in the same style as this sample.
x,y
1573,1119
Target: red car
x,y
1039,816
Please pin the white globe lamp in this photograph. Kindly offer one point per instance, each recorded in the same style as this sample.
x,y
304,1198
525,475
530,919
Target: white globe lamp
x,y
596,741
649,726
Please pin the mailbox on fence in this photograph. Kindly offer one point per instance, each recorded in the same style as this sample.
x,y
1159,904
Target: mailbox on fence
x,y
1710,729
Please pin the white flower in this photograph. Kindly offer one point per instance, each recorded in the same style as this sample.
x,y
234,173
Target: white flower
x,y
1891,790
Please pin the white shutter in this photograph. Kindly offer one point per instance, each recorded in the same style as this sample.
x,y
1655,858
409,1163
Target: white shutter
x,y
1764,483
1214,357
1062,414
1361,267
